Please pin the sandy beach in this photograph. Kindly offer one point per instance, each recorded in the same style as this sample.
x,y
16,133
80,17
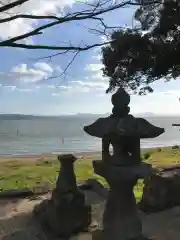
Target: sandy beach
x,y
33,158
36,157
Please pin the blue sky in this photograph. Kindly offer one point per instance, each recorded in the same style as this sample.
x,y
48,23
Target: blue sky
x,y
25,84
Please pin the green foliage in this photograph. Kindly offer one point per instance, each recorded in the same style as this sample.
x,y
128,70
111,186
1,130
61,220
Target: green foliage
x,y
147,155
134,60
148,14
175,147
159,149
127,59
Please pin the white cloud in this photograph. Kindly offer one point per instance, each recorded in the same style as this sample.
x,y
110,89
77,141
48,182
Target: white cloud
x,y
92,82
97,57
94,67
159,102
56,94
80,87
38,7
37,73
10,88
170,93
51,86
43,66
93,85
23,74
25,78
27,90
99,77
74,88
95,73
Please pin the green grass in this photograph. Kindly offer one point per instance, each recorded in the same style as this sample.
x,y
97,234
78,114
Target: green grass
x,y
17,174
20,174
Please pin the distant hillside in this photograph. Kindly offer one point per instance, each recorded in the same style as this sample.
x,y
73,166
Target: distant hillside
x,y
79,115
30,117
16,117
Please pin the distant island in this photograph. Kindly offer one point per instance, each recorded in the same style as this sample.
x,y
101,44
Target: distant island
x,y
29,117
16,116
78,115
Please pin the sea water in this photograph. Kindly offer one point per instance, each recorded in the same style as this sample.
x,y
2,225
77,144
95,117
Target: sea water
x,y
65,135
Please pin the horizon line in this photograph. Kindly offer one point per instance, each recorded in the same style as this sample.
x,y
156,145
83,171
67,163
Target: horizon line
x,y
150,114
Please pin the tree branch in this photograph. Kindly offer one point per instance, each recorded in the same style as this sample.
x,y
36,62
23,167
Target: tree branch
x,y
12,5
27,16
69,48
51,56
75,17
67,67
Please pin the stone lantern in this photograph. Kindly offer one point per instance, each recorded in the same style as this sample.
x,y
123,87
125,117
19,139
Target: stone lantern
x,y
123,167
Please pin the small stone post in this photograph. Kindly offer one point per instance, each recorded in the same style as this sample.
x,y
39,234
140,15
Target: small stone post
x,y
66,213
66,181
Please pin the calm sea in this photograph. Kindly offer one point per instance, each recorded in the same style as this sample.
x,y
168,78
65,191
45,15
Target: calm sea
x,y
66,135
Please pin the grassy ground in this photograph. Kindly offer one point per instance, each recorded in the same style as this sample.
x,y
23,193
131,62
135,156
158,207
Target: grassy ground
x,y
18,173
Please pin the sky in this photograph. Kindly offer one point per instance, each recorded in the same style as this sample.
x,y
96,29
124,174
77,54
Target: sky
x,y
32,84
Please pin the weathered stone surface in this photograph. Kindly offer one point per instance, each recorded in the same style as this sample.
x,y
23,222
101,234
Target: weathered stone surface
x,y
120,216
121,220
26,192
66,212
64,220
161,190
14,193
20,235
98,188
123,167
120,101
163,225
128,126
116,174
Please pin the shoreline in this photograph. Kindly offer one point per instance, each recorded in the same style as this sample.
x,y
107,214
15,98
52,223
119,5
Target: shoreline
x,y
85,154
36,157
